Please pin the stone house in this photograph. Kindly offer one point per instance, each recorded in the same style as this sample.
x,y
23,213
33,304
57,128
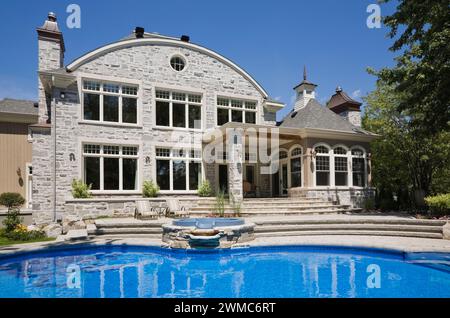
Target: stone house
x,y
153,107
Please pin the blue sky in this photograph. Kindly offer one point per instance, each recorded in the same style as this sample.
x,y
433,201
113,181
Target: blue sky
x,y
271,40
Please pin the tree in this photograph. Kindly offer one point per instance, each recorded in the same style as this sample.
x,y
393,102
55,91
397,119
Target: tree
x,y
422,72
407,161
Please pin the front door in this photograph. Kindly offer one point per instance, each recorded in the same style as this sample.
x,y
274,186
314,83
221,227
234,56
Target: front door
x,y
276,184
223,178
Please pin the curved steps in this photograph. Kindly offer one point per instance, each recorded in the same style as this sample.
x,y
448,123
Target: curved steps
x,y
377,226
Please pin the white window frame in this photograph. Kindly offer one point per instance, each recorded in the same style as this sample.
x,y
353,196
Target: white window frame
x,y
186,103
187,158
346,155
111,81
121,156
364,156
331,166
230,108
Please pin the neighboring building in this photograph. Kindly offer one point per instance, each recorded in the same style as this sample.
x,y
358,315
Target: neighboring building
x,y
15,146
144,107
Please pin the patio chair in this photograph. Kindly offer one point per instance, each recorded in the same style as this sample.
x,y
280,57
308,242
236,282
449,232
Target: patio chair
x,y
176,209
144,210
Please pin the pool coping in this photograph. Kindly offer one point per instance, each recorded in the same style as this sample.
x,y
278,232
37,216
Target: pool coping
x,y
386,244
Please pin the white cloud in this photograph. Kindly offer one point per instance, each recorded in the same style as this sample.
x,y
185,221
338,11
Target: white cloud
x,y
356,94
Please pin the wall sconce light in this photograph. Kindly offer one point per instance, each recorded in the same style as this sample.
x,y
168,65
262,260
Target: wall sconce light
x,y
19,172
147,160
313,153
72,157
369,155
62,95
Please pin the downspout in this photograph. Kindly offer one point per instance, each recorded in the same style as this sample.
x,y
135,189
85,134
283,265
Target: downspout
x,y
54,152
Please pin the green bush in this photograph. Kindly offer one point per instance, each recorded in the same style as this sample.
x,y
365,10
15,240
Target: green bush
x,y
204,189
20,233
11,200
150,189
81,190
439,204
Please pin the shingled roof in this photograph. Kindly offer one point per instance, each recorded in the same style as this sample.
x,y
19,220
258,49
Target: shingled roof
x,y
18,106
316,116
340,102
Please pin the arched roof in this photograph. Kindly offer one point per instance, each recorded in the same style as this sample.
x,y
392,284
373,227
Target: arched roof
x,y
162,41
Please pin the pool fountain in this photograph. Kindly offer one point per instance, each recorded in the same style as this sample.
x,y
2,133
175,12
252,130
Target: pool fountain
x,y
207,232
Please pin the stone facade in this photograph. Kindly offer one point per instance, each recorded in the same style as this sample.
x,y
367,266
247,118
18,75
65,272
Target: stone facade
x,y
57,145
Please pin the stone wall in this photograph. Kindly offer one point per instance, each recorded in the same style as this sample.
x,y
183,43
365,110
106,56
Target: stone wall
x,y
150,66
115,207
355,198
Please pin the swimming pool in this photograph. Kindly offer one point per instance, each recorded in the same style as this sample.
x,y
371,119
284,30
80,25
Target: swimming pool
x,y
289,271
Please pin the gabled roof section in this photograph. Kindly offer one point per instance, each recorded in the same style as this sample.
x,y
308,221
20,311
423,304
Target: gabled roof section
x,y
316,116
156,39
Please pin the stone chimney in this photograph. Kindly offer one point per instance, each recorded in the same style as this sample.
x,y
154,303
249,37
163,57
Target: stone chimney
x,y
343,105
305,91
51,56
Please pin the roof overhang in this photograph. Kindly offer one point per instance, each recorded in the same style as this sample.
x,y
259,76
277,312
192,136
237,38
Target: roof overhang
x,y
292,133
273,106
55,79
10,117
162,41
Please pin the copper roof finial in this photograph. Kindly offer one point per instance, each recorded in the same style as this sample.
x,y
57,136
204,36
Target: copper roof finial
x,y
304,72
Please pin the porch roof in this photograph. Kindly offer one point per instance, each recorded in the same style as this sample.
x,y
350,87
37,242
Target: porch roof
x,y
296,133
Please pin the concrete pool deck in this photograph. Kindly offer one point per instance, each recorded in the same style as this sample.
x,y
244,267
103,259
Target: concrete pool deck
x,y
400,244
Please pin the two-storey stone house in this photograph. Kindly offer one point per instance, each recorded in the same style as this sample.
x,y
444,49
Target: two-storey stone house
x,y
148,106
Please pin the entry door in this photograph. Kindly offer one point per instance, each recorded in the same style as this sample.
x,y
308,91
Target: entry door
x,y
276,184
284,179
223,178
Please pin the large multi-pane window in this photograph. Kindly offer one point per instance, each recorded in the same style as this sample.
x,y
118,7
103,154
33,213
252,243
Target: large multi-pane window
x,y
110,167
178,169
110,102
296,167
178,109
340,166
322,166
358,168
235,110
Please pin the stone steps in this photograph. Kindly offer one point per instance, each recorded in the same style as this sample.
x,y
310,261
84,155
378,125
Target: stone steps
x,y
348,232
375,226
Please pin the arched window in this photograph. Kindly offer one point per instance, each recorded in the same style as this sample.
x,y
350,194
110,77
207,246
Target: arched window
x,y
322,165
358,167
340,166
296,167
283,154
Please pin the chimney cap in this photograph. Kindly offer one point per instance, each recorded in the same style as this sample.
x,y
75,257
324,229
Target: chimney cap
x,y
185,38
338,89
139,31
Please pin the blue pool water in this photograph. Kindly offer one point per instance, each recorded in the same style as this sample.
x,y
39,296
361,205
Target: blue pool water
x,y
108,271
208,223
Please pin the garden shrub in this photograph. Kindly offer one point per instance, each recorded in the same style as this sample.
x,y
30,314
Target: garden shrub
x,y
439,204
204,189
220,203
20,233
150,189
12,201
81,190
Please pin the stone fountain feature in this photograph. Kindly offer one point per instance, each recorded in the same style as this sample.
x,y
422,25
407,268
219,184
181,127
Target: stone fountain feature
x,y
207,232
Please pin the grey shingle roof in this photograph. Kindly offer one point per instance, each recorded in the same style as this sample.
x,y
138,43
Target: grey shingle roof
x,y
18,106
316,116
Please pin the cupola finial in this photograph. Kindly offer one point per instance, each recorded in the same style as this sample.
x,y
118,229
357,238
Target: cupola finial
x,y
304,72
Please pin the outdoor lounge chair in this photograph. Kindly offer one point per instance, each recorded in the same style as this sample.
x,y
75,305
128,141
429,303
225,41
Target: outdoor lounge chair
x,y
176,209
144,210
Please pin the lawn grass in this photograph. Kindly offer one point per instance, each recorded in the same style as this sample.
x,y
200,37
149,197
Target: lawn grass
x,y
5,241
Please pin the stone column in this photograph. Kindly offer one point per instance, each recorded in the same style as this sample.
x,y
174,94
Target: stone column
x,y
235,167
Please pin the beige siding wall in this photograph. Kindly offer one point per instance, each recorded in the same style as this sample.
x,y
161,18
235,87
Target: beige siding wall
x,y
15,153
